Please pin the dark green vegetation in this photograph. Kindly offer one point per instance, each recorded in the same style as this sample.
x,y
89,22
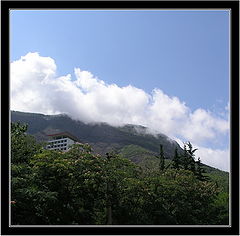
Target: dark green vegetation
x,y
80,187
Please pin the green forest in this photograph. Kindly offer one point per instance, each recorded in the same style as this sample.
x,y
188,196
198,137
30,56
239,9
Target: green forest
x,y
79,187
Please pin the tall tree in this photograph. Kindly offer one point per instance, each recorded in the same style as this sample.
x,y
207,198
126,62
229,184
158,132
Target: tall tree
x,y
23,148
188,158
109,197
191,152
176,160
185,158
200,171
161,158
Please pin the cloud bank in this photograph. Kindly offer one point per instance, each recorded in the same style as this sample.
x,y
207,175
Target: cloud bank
x,y
36,88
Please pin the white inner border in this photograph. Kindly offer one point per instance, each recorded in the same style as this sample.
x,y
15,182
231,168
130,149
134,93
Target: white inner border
x,y
127,226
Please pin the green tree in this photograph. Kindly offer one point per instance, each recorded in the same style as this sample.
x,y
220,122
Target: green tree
x,y
177,197
87,187
220,209
118,172
80,187
191,158
23,147
161,158
176,160
200,171
188,157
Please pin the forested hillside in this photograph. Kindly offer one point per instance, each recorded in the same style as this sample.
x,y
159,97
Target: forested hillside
x,y
83,188
132,142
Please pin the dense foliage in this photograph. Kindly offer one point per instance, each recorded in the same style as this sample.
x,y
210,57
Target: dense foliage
x,y
79,187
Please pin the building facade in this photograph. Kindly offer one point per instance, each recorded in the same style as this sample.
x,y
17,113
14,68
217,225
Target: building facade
x,y
61,141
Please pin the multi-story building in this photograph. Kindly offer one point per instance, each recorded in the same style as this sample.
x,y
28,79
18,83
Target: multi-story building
x,y
61,141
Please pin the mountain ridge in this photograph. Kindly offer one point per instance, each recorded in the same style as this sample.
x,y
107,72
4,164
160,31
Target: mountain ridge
x,y
97,134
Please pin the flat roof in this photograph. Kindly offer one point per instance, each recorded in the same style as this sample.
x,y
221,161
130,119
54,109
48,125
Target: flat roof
x,y
67,134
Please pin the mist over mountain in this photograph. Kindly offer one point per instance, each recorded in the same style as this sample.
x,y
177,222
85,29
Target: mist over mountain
x,y
85,97
101,136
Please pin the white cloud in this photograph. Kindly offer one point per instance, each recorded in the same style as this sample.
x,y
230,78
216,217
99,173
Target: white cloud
x,y
215,157
36,88
201,126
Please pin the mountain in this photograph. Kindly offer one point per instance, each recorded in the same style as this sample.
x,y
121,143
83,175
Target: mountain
x,y
101,136
131,141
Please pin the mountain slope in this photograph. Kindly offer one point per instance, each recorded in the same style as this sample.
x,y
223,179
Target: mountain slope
x,y
101,136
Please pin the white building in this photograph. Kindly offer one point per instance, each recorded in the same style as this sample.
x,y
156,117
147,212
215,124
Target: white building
x,y
61,141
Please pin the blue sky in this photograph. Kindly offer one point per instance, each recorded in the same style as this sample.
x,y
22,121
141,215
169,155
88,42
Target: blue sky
x,y
183,53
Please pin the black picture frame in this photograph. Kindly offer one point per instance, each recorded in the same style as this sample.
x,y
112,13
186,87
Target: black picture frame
x,y
5,117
